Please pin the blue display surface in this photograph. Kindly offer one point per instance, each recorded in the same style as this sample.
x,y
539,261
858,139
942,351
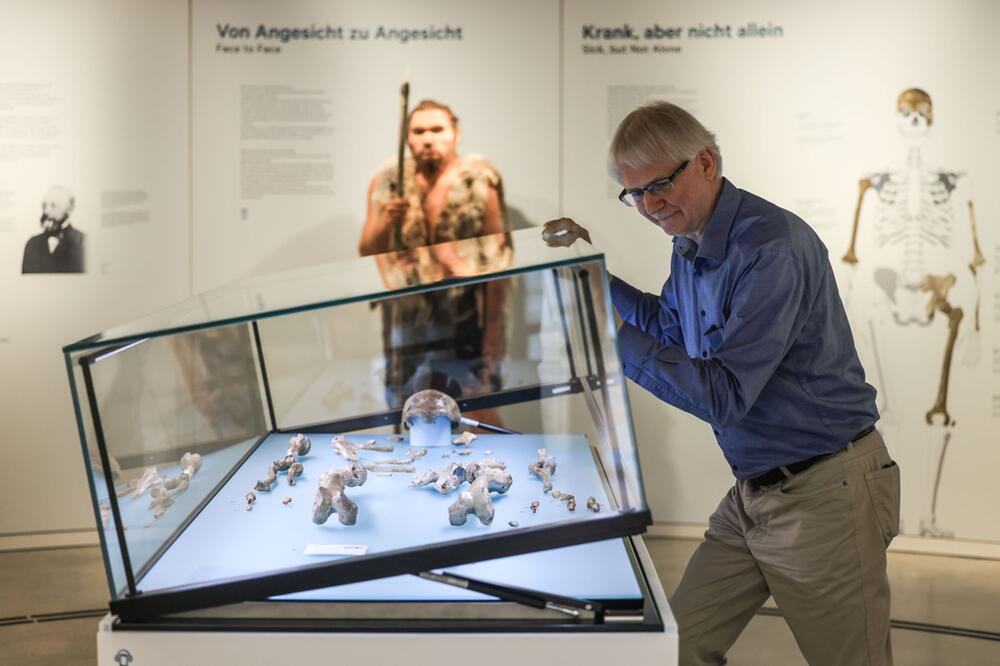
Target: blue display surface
x,y
144,533
226,540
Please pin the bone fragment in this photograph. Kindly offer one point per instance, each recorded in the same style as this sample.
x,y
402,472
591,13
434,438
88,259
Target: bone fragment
x,y
299,445
938,286
474,469
344,448
190,463
445,480
411,455
294,472
390,469
370,445
282,464
163,489
349,450
563,233
477,498
330,497
543,468
136,487
428,405
164,496
265,484
465,438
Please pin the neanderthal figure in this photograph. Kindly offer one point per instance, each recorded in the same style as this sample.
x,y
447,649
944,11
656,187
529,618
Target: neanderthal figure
x,y
920,241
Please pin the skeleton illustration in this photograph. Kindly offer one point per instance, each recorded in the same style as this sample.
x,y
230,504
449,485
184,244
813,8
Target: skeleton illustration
x,y
915,234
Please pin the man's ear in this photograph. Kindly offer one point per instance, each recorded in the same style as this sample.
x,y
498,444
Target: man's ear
x,y
708,165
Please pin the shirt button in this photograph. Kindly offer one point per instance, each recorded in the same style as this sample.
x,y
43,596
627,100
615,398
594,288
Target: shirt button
x,y
704,354
735,468
702,313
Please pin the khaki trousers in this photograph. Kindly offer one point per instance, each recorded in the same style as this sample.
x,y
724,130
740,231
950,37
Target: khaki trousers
x,y
816,542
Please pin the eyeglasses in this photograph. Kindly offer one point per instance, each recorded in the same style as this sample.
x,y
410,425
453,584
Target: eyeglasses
x,y
663,185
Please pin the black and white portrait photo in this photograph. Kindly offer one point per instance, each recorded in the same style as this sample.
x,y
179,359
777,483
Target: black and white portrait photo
x,y
59,246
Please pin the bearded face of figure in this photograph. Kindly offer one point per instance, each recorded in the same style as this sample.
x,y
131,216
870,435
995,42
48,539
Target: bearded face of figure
x,y
56,207
433,139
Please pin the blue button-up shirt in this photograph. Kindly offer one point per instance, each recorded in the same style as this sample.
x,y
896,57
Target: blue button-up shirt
x,y
749,334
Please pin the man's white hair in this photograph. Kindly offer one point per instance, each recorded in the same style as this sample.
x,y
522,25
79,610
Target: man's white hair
x,y
656,132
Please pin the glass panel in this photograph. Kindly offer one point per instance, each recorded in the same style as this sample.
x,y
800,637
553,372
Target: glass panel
x,y
342,282
331,365
177,414
537,435
361,358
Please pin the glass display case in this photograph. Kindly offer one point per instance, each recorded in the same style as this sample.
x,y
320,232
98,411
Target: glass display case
x,y
256,453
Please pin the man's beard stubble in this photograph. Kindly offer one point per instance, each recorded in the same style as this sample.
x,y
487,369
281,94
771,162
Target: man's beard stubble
x,y
429,163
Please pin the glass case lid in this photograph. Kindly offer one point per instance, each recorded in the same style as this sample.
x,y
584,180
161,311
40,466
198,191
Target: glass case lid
x,y
563,469
343,282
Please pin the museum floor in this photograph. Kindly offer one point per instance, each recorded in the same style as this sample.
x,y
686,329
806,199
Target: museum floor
x,y
50,601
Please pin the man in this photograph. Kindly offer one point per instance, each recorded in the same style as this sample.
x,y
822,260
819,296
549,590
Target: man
x,y
453,339
59,248
749,334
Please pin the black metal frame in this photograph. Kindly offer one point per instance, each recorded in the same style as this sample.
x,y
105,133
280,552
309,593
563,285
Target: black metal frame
x,y
142,607
651,618
149,605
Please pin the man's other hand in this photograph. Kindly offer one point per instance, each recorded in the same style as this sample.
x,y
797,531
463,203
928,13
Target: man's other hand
x,y
563,232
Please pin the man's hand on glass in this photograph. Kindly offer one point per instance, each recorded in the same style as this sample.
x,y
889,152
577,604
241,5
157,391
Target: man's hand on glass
x,y
563,232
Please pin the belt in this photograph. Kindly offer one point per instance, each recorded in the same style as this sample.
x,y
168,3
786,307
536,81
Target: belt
x,y
779,474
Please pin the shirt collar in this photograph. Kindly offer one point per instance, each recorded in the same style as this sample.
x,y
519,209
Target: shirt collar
x,y
716,237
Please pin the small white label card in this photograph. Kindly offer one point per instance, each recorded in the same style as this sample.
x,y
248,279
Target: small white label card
x,y
334,549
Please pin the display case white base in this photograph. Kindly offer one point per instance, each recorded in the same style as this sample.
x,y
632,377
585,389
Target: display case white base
x,y
168,648
164,648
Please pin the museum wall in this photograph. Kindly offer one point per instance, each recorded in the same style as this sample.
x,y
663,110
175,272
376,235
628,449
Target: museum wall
x,y
803,99
93,106
201,148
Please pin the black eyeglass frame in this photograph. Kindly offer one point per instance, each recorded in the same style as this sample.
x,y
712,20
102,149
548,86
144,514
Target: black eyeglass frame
x,y
653,187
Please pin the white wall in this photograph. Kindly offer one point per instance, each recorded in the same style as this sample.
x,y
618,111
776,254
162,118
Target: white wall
x,y
93,96
801,117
